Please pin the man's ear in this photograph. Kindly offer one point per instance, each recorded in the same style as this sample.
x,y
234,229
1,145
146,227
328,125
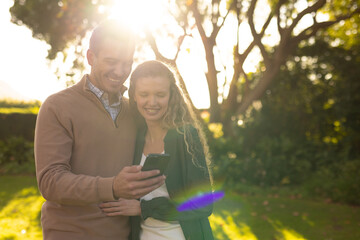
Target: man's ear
x,y
90,55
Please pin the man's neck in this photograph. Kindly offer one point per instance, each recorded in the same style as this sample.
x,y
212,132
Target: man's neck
x,y
113,98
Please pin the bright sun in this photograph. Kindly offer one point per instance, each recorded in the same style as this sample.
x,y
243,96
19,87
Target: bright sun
x,y
154,15
140,14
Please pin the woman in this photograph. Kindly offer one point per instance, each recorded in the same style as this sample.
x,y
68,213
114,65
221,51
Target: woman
x,y
169,126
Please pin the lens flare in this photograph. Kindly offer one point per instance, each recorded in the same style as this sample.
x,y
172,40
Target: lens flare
x,y
200,201
140,14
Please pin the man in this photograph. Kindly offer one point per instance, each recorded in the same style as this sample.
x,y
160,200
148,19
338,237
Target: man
x,y
84,145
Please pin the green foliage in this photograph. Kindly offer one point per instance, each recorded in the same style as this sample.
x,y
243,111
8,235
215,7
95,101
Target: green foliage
x,y
19,104
305,129
17,124
350,29
12,106
33,110
259,158
59,23
339,182
16,156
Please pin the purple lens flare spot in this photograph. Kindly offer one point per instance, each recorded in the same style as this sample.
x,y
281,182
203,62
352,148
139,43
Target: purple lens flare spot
x,y
200,201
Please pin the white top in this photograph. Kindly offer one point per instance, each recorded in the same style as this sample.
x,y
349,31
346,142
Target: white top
x,y
153,229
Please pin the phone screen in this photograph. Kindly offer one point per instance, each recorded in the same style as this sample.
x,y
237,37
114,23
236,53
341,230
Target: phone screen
x,y
156,161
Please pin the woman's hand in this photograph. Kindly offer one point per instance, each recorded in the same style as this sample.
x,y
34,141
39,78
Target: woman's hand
x,y
124,207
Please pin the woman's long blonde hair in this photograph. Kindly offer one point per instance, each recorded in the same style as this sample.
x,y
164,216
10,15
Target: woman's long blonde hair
x,y
180,114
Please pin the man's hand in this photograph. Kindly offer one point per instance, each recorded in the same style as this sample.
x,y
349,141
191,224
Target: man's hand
x,y
132,183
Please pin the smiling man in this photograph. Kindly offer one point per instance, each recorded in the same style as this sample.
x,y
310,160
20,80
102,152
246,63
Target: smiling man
x,y
84,145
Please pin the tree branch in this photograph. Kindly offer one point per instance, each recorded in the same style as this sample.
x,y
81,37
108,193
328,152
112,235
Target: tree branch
x,y
217,28
257,37
198,22
312,30
151,40
316,6
172,62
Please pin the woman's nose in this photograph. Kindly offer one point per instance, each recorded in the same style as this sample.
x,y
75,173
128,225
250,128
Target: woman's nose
x,y
153,100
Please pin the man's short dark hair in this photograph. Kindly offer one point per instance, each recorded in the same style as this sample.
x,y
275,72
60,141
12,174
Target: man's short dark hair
x,y
111,29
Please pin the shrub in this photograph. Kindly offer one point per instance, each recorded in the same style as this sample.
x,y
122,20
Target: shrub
x,y
17,124
266,161
19,104
340,182
16,156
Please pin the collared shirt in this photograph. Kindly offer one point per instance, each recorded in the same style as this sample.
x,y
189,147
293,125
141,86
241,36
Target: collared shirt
x,y
114,108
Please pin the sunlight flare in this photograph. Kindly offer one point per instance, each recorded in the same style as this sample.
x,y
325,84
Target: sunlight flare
x,y
140,14
287,233
19,217
232,230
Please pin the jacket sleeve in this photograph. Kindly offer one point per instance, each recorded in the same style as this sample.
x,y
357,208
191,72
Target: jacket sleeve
x,y
164,209
53,150
197,183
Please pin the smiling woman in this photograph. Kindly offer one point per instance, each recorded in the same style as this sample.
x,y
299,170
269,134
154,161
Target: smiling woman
x,y
140,14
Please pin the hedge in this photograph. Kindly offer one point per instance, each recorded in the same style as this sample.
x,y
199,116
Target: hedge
x,y
17,124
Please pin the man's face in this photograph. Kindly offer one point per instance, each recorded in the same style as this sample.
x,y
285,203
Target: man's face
x,y
111,66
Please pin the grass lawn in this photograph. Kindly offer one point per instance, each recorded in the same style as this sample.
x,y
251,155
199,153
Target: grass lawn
x,y
273,217
20,204
248,217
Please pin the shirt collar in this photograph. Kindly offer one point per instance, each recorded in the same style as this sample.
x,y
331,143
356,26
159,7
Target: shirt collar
x,y
98,92
102,95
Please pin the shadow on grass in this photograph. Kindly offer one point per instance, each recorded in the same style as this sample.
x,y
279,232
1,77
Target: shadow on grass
x,y
278,218
11,185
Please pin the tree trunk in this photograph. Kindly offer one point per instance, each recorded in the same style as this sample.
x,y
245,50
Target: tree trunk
x,y
211,77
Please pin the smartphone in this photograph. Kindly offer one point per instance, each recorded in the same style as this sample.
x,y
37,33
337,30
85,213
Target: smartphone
x,y
156,161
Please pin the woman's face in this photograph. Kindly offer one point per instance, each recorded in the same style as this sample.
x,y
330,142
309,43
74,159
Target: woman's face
x,y
152,96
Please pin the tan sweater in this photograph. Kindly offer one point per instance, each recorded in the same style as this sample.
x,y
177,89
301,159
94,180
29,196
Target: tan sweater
x,y
78,151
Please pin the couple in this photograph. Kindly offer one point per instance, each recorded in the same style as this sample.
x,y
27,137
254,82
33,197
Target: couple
x,y
90,144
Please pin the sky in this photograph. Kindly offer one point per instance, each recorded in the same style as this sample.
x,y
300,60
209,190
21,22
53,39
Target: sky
x,y
23,60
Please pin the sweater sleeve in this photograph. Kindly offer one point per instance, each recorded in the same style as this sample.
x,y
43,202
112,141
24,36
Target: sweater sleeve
x,y
53,150
197,183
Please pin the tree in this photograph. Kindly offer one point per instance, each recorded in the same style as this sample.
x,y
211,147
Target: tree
x,y
285,23
307,128
287,15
